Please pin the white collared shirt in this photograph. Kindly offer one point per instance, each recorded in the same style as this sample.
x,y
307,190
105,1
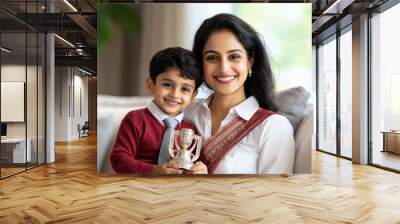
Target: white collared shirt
x,y
267,149
161,115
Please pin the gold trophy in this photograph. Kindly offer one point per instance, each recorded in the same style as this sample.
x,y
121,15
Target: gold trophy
x,y
182,155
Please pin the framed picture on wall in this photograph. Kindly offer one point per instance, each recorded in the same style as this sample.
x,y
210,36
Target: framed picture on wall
x,y
12,101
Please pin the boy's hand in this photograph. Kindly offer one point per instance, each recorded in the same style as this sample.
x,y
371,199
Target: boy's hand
x,y
167,168
198,168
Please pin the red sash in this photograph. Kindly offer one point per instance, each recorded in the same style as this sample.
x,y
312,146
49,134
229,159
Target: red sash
x,y
215,148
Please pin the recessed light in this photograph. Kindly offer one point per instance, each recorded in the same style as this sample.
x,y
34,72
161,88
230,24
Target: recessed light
x,y
84,71
5,50
70,5
337,7
64,40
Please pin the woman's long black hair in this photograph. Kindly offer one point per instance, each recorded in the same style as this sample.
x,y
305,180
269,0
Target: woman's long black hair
x,y
261,84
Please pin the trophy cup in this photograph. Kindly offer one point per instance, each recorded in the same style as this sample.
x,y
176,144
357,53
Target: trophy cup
x,y
185,142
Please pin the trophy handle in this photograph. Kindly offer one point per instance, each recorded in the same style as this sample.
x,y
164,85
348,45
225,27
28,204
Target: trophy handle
x,y
198,148
192,145
171,147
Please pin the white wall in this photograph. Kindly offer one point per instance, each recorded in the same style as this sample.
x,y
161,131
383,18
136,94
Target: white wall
x,y
33,126
62,81
80,110
16,73
71,93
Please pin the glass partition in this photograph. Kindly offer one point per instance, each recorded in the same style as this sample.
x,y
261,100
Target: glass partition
x,y
22,79
32,95
346,94
41,87
327,96
13,106
385,85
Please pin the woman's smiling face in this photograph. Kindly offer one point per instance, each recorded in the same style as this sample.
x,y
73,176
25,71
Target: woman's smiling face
x,y
225,63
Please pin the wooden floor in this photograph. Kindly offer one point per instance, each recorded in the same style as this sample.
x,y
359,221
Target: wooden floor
x,y
70,191
387,159
10,171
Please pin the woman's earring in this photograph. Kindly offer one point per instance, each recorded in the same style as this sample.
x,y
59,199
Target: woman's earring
x,y
250,73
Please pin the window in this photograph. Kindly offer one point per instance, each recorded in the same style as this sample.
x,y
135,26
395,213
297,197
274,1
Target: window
x,y
327,96
385,85
346,94
287,39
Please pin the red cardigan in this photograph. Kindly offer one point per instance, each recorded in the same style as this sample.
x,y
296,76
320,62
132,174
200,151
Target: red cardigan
x,y
138,142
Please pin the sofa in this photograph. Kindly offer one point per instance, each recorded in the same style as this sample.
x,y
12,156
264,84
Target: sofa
x,y
292,103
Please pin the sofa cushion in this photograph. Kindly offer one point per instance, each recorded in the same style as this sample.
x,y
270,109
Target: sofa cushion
x,y
303,142
110,112
106,101
292,103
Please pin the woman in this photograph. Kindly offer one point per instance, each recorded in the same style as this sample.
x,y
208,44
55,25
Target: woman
x,y
243,134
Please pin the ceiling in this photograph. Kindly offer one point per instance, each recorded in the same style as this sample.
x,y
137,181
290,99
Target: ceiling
x,y
76,22
76,25
333,15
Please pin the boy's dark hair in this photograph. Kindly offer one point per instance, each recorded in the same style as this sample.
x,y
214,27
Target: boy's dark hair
x,y
176,57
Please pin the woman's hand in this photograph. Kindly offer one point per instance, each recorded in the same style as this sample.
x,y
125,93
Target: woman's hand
x,y
167,168
198,168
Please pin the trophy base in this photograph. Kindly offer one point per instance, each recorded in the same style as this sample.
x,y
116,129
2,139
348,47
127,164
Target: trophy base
x,y
182,164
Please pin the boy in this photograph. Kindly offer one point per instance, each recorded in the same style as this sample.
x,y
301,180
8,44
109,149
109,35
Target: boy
x,y
173,82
